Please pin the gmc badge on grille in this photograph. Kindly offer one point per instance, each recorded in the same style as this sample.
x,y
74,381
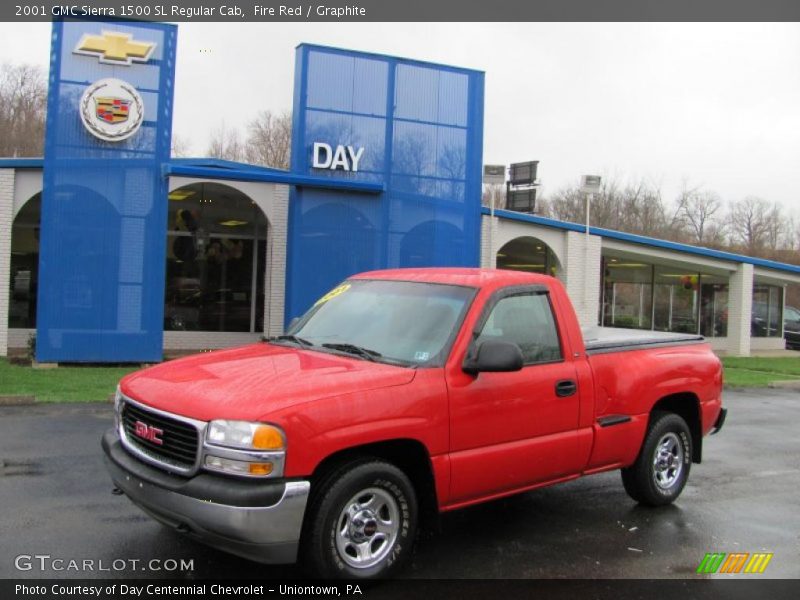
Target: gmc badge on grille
x,y
148,432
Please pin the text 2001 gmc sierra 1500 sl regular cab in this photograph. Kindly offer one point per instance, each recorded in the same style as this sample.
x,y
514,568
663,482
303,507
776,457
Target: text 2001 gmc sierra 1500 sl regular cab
x,y
398,395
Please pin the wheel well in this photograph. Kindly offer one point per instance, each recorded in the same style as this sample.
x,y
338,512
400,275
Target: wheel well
x,y
410,456
687,405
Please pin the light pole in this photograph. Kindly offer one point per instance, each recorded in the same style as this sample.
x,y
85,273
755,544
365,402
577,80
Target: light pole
x,y
588,208
493,175
590,185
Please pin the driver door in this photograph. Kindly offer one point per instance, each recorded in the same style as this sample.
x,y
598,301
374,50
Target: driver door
x,y
513,430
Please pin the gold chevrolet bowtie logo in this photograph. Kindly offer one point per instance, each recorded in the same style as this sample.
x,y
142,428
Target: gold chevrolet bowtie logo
x,y
115,48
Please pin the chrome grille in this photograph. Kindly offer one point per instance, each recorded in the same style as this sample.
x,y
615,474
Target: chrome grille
x,y
179,439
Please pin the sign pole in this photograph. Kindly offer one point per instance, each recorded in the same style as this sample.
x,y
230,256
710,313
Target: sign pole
x,y
590,185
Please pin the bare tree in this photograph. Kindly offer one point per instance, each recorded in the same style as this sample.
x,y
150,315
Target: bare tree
x,y
752,225
756,225
636,208
23,94
564,205
181,146
269,141
794,238
226,143
643,211
699,210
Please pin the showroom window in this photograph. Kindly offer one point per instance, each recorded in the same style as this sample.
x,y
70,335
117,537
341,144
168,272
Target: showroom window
x,y
713,306
645,296
676,300
767,311
24,274
216,255
627,294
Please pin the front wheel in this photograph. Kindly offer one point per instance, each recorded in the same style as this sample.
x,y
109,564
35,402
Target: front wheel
x,y
362,522
662,468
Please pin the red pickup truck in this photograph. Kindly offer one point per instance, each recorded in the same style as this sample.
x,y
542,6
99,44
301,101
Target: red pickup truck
x,y
399,395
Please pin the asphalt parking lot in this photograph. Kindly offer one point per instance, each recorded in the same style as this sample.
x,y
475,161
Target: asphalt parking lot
x,y
56,500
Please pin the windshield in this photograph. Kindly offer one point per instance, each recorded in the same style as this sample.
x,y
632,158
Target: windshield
x,y
397,322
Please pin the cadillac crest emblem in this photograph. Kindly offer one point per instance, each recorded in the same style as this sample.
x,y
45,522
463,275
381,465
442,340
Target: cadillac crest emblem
x,y
111,110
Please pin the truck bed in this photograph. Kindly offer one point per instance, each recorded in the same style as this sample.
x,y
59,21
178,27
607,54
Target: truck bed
x,y
614,339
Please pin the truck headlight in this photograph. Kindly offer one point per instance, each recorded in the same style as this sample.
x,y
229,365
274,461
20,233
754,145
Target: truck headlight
x,y
244,448
238,467
246,435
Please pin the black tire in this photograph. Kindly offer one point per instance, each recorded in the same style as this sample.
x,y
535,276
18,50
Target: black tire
x,y
655,479
381,498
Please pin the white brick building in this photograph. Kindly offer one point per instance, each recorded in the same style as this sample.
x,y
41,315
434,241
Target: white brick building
x,y
619,279
230,288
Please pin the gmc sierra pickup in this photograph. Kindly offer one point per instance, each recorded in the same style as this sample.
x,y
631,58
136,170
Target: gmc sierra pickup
x,y
401,394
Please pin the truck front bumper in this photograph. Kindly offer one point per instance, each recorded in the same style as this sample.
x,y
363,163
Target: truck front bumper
x,y
256,520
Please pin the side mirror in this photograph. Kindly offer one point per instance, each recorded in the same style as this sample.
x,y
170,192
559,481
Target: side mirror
x,y
493,356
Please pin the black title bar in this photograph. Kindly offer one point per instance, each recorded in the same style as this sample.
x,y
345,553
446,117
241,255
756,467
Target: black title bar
x,y
443,589
242,11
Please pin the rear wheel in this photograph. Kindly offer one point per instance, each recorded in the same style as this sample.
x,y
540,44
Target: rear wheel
x,y
362,521
662,468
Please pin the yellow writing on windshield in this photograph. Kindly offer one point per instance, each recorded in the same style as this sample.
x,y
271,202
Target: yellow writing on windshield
x,y
337,291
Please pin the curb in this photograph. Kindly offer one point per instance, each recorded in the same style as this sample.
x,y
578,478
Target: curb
x,y
787,384
44,365
17,400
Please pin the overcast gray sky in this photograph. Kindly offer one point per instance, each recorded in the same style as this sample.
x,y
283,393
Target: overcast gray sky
x,y
715,104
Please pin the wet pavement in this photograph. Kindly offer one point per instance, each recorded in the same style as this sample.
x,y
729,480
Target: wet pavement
x,y
56,500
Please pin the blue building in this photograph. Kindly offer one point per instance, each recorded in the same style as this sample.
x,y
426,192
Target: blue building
x,y
121,252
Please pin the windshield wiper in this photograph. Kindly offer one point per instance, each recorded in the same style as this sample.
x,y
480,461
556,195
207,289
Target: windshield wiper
x,y
289,338
353,349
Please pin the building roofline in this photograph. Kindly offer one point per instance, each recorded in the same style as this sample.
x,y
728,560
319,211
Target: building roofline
x,y
215,168
34,162
37,162
221,163
644,240
390,57
272,176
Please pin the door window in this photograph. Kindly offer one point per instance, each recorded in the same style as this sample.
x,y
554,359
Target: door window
x,y
527,321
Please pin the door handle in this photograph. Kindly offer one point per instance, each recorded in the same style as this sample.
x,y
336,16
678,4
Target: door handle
x,y
566,387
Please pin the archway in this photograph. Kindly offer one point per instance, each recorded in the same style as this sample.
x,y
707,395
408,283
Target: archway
x,y
530,254
432,243
216,259
24,263
334,233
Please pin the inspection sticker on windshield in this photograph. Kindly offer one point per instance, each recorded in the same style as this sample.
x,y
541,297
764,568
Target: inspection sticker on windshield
x,y
422,355
333,293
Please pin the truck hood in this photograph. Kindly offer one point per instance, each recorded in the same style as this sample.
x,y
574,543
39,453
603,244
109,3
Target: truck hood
x,y
249,382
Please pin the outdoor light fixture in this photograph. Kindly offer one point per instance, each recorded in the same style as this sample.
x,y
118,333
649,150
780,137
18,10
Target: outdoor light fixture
x,y
523,173
521,187
494,174
521,200
590,184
